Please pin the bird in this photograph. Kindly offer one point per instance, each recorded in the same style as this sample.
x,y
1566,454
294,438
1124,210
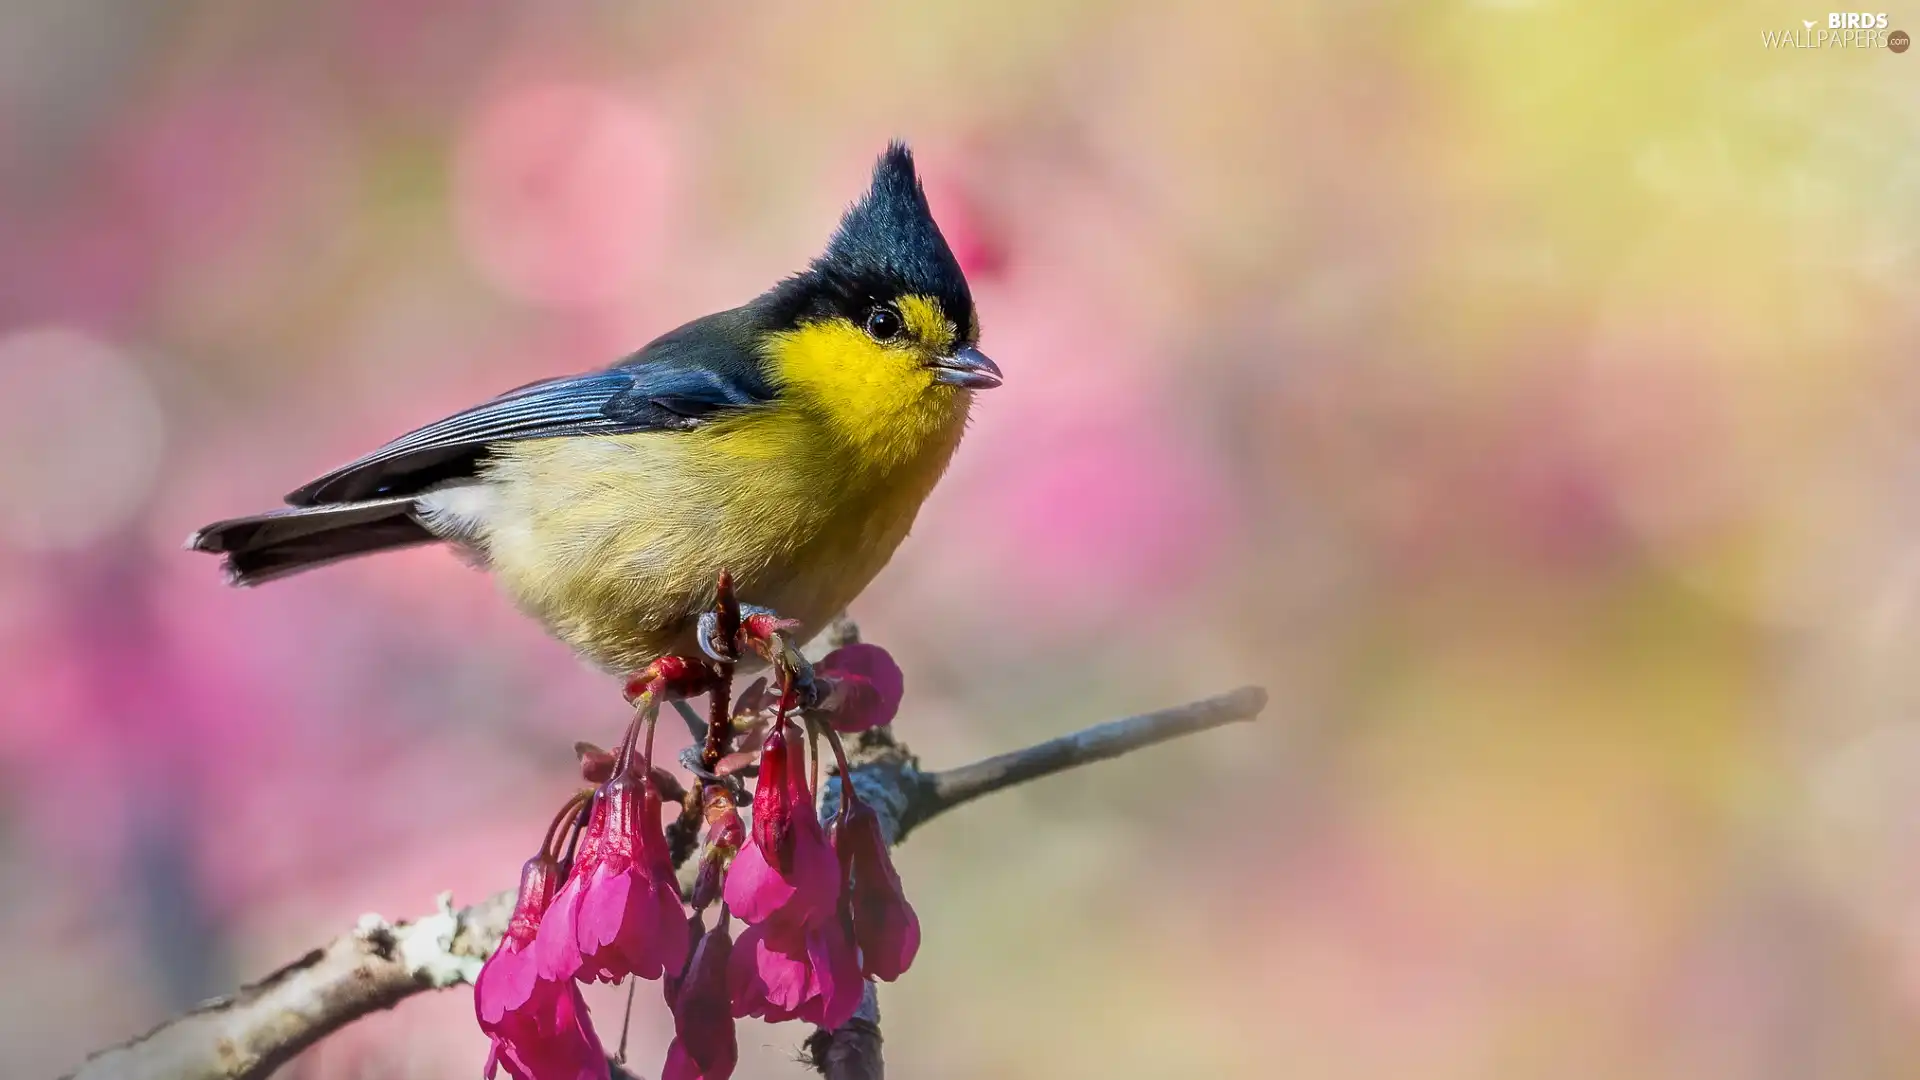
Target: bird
x,y
788,442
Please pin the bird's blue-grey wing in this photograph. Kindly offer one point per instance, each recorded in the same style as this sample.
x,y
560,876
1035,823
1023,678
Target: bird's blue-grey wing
x,y
671,391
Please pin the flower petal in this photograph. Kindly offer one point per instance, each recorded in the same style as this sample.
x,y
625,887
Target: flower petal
x,y
868,687
838,985
555,949
603,908
754,889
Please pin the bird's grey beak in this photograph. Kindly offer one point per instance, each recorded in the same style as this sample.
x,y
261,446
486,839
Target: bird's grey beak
x,y
968,367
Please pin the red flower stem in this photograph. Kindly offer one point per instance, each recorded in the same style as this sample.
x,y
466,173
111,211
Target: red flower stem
x,y
727,607
780,710
719,720
847,796
720,699
573,835
642,705
652,720
568,812
813,759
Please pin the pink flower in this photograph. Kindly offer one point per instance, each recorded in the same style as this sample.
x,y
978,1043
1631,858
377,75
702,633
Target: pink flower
x,y
619,913
558,1042
630,921
556,951
540,1029
781,972
884,925
863,687
506,980
787,870
704,1046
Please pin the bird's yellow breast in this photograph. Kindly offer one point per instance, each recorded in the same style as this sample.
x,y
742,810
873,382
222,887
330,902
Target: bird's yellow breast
x,y
615,541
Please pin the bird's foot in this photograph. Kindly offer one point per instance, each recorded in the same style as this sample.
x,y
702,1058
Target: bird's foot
x,y
752,627
762,632
731,629
691,759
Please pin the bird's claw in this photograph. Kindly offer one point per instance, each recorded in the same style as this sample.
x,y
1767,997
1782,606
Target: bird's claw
x,y
713,642
690,760
755,630
731,629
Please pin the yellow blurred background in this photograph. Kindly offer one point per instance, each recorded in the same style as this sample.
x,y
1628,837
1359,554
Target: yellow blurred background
x,y
1522,391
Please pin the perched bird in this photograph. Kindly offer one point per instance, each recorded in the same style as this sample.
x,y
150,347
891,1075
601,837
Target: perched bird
x,y
789,442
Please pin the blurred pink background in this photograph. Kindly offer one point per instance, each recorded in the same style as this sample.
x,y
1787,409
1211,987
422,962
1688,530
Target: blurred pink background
x,y
1522,391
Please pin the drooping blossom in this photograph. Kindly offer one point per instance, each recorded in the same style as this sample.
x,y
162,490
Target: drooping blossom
x,y
506,980
782,972
630,921
862,687
725,836
787,871
556,949
704,1046
619,913
821,912
884,924
559,1044
540,1029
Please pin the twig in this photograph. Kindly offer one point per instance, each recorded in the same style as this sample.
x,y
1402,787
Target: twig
x,y
1109,740
888,778
375,966
378,964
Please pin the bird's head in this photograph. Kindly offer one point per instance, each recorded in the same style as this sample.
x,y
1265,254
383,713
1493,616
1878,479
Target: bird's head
x,y
883,320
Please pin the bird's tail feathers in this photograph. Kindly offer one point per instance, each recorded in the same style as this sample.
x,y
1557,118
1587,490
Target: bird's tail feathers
x,y
268,546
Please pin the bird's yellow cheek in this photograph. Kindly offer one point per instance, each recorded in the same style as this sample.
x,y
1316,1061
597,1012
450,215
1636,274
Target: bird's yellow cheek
x,y
881,399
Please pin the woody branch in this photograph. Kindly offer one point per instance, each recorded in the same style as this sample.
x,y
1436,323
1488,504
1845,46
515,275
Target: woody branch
x,y
378,964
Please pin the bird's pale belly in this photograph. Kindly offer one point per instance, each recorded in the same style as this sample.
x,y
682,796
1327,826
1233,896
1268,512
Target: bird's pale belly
x,y
618,556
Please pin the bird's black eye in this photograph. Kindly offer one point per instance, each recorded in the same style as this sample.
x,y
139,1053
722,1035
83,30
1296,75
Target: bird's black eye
x,y
883,323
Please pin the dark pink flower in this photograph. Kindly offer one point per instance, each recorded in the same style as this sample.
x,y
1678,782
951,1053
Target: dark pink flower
x,y
863,687
506,980
773,815
704,1046
619,913
556,949
629,920
559,1043
781,972
884,925
787,870
540,1029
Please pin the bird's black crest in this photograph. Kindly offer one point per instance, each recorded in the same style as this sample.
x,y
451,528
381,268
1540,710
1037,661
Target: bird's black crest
x,y
887,245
